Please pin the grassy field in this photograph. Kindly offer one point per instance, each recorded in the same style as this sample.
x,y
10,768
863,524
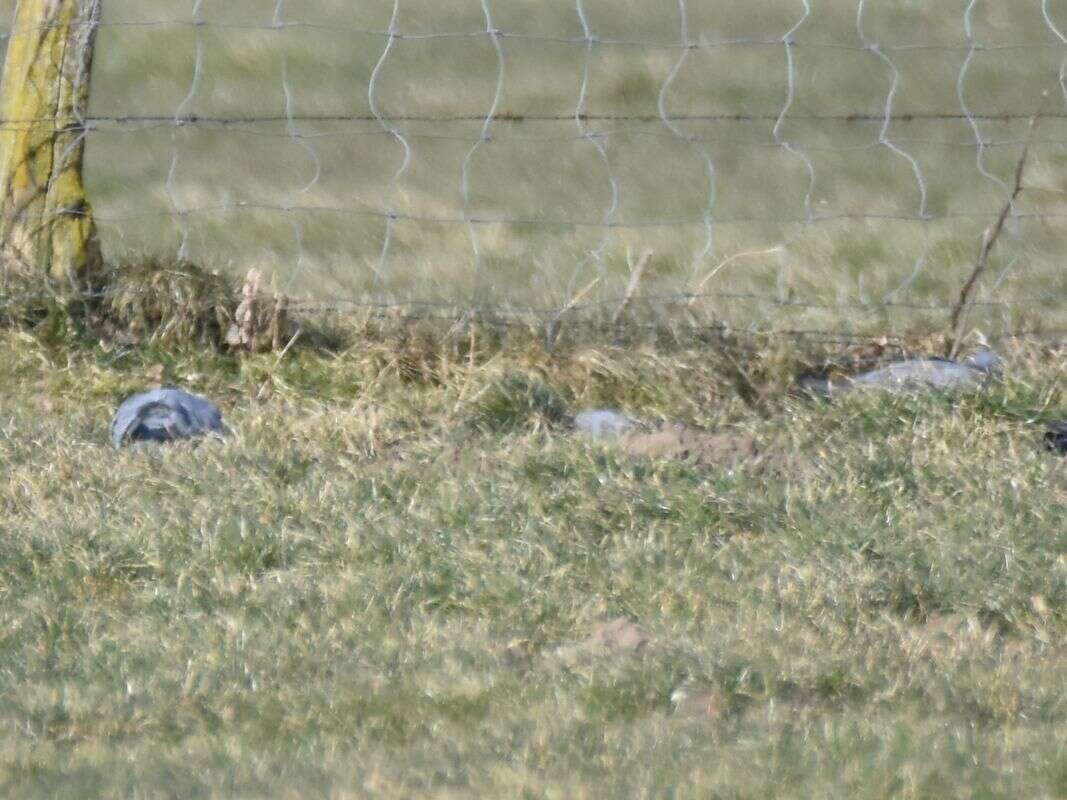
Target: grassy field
x,y
390,582
404,575
341,176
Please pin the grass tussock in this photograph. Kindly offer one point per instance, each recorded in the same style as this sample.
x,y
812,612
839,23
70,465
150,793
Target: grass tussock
x,y
515,402
162,303
169,303
360,592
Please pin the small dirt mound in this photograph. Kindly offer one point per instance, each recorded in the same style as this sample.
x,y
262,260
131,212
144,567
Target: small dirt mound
x,y
617,638
618,634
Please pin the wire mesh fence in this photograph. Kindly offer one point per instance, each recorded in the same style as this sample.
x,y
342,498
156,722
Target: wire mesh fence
x,y
824,168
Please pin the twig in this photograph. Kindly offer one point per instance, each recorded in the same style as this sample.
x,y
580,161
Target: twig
x,y
747,390
725,261
989,239
554,326
291,342
279,324
631,288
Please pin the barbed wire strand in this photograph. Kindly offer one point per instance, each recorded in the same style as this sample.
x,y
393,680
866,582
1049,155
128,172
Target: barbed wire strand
x,y
145,124
523,117
349,30
637,224
731,335
680,299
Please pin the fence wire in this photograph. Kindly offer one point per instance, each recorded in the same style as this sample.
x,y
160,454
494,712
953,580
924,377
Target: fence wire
x,y
798,176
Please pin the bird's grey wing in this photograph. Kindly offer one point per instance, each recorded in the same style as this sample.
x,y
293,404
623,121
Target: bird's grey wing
x,y
603,423
127,417
931,372
163,415
160,422
204,415
817,385
1056,437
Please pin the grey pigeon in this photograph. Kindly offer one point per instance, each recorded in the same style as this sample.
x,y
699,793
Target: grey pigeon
x,y
1056,437
163,415
901,376
603,423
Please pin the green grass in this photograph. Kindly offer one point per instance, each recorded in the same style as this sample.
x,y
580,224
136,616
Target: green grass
x,y
384,583
389,581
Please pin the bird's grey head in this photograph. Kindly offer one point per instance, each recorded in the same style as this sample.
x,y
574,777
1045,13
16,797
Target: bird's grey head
x,y
984,360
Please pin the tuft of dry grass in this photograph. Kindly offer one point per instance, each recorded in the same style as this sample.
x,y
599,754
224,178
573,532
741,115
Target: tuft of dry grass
x,y
360,593
169,303
163,303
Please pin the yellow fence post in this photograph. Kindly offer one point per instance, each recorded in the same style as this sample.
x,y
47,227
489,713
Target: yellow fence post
x,y
47,232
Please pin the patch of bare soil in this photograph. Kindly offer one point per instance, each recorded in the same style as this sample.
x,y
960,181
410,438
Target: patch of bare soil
x,y
695,702
704,703
618,634
613,638
693,446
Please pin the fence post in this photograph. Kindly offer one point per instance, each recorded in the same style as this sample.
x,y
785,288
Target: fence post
x,y
47,233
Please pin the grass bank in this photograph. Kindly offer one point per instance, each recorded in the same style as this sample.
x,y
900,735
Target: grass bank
x,y
393,580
